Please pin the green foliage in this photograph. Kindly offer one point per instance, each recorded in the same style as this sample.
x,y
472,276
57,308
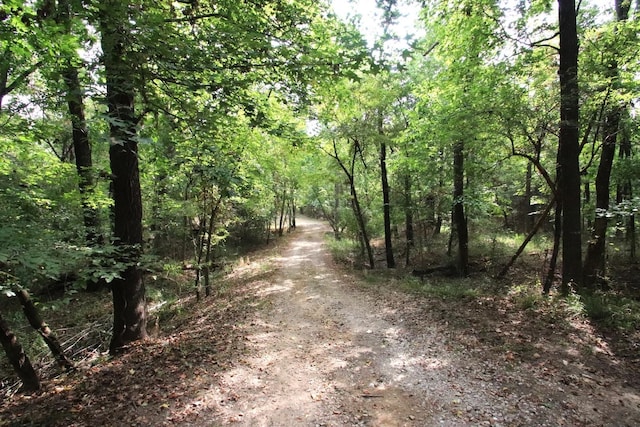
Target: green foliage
x,y
528,296
606,308
344,250
445,289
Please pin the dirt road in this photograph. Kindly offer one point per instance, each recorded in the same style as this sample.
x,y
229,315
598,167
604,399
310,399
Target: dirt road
x,y
325,352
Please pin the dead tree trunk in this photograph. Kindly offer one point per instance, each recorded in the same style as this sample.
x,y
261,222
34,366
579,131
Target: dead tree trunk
x,y
18,358
526,241
36,322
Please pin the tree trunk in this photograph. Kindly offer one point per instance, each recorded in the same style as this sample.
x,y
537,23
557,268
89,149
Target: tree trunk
x,y
36,322
594,264
437,229
82,150
80,134
355,202
81,145
528,218
557,241
357,210
337,192
388,243
459,218
207,260
625,190
282,214
84,165
18,358
631,236
129,304
568,146
595,261
408,216
199,247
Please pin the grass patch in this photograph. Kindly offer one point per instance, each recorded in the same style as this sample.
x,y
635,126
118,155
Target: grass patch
x,y
343,250
613,310
527,297
501,244
453,289
606,308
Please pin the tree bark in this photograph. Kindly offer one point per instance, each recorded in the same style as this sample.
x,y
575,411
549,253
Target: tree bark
x,y
18,358
129,303
82,150
459,218
388,243
282,213
210,231
568,146
594,264
557,242
80,136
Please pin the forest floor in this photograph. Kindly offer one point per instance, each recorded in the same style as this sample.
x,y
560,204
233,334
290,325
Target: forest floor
x,y
299,341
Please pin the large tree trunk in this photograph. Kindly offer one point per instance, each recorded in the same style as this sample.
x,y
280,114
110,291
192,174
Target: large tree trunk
x,y
18,358
82,150
129,304
388,244
80,135
459,217
568,146
594,264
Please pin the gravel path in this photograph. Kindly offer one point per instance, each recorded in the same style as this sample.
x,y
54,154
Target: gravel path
x,y
326,352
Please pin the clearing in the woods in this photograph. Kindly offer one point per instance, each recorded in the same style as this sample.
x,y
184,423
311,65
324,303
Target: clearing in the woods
x,y
299,341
